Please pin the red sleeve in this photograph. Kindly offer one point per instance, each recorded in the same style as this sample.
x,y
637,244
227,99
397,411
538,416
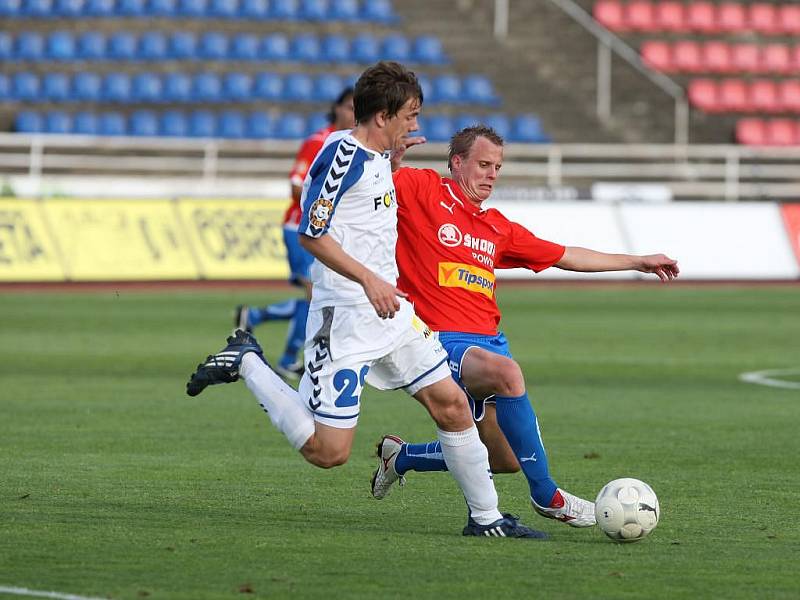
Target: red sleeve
x,y
523,249
305,156
414,185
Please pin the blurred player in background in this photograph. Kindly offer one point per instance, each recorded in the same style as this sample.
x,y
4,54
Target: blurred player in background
x,y
296,310
448,248
360,327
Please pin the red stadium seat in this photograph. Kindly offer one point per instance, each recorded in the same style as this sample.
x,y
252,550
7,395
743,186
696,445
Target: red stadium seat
x,y
776,58
789,95
745,58
733,96
764,96
610,14
789,19
640,17
671,16
717,57
703,95
750,132
731,17
701,17
658,55
781,132
686,57
763,19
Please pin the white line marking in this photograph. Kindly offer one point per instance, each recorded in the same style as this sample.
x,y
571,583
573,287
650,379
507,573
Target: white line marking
x,y
18,591
769,378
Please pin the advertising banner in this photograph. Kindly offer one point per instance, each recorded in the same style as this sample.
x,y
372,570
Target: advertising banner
x,y
27,251
791,218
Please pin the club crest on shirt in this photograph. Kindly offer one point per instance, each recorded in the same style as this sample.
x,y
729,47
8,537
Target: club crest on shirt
x,y
450,235
320,212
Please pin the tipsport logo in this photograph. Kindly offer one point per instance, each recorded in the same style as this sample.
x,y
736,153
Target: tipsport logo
x,y
468,277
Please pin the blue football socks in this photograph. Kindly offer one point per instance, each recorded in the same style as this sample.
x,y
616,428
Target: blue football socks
x,y
420,457
274,312
297,333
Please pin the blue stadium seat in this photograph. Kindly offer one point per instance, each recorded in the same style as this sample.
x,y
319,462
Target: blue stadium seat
x,y
527,128
290,126
182,45
70,9
427,89
427,49
378,11
298,87
344,10
121,46
213,46
111,123
38,9
500,123
244,46
327,87
206,87
116,87
153,46
305,47
315,122
284,10
86,87
202,123
5,88
28,121
57,121
231,124
91,46
25,86
236,87
259,125
147,87
275,47
192,8
162,8
6,46
438,128
478,89
173,123
177,87
447,88
462,120
99,8
85,123
131,8
61,46
29,46
365,48
335,48
10,8
143,123
55,87
254,10
313,10
396,47
268,86
224,9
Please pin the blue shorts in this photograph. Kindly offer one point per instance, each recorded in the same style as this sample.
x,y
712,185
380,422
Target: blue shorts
x,y
456,344
299,259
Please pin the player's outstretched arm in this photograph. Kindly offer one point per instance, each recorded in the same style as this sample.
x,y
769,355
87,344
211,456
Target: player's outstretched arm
x,y
381,294
591,261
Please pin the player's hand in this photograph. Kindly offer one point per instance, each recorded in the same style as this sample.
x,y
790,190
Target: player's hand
x,y
665,267
382,295
400,151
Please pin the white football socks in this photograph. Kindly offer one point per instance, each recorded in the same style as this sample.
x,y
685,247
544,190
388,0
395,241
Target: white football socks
x,y
280,401
468,461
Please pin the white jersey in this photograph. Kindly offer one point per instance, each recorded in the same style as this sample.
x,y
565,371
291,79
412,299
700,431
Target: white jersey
x,y
349,194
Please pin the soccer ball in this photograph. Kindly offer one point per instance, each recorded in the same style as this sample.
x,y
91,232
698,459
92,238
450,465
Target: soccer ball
x,y
627,510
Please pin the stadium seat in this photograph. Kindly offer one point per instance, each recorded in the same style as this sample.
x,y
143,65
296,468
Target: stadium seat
x,y
477,89
428,50
55,87
259,125
143,123
254,10
344,10
313,10
244,46
173,123
236,87
57,122
396,47
28,121
223,9
84,123
781,132
130,8
764,96
202,123
162,8
231,124
686,57
275,47
702,94
38,9
177,87
750,132
268,86
116,87
670,17
87,87
290,126
5,88
378,11
91,46
500,123
146,87
99,8
464,120
640,16
305,48
6,46
153,46
193,9
731,17
610,14
762,18
745,58
657,55
365,48
298,87
29,46
335,48
447,88
327,87
426,85
528,129
25,86
111,123
438,128
213,45
733,96
776,58
716,57
206,87
122,46
284,10
789,19
789,95
10,8
315,122
61,46
182,45
701,17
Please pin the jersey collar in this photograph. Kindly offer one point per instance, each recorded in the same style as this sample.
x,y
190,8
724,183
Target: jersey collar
x,y
457,194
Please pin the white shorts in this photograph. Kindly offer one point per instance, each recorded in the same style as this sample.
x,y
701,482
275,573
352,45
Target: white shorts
x,y
348,346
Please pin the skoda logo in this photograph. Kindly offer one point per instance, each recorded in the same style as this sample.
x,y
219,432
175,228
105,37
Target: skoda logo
x,y
449,235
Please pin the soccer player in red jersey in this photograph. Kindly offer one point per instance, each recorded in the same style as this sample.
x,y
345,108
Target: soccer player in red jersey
x,y
296,310
447,251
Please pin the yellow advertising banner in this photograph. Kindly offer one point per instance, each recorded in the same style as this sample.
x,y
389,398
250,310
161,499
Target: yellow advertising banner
x,y
236,239
27,252
117,239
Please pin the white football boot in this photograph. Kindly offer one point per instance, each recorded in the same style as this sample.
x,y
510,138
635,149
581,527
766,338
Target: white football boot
x,y
385,475
574,511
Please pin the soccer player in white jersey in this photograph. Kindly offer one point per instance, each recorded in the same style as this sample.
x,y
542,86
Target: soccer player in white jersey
x,y
360,327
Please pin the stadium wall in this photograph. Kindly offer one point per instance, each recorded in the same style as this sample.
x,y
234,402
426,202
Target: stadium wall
x,y
153,239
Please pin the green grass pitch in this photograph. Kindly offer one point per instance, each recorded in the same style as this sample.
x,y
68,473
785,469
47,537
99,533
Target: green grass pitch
x,y
115,484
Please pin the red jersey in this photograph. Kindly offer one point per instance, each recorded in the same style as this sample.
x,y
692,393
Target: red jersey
x,y
302,163
448,249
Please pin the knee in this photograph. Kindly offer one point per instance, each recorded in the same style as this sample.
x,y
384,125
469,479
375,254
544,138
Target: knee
x,y
329,459
451,410
508,379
